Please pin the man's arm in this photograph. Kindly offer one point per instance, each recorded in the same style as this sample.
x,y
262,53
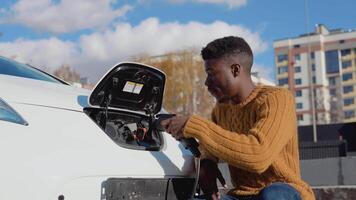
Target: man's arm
x,y
256,149
204,152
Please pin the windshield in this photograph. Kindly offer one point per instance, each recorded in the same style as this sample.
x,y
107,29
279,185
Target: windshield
x,y
13,68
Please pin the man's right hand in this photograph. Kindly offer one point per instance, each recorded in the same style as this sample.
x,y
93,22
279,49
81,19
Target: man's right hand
x,y
207,179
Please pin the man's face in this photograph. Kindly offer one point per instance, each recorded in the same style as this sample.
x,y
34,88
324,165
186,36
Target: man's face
x,y
220,80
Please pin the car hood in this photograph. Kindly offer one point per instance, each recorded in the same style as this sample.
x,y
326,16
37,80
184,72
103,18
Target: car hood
x,y
42,93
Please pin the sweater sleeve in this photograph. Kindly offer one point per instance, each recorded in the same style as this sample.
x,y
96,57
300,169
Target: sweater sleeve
x,y
256,149
205,154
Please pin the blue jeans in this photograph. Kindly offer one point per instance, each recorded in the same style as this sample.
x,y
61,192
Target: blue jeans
x,y
275,191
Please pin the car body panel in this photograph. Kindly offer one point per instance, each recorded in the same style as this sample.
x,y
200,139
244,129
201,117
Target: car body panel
x,y
54,158
62,151
36,92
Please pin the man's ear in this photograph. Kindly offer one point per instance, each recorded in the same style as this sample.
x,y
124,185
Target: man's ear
x,y
235,69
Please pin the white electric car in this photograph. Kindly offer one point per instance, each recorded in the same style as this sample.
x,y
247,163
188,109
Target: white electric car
x,y
59,142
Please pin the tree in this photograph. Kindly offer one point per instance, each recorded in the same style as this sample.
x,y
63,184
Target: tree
x,y
67,73
185,76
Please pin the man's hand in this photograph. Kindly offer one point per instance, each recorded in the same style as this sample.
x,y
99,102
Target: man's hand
x,y
175,125
207,179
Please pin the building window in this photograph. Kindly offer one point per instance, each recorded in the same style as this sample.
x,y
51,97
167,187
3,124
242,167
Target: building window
x,y
347,76
282,57
314,79
312,55
282,70
297,57
346,64
332,61
313,67
299,105
332,92
348,89
300,117
332,81
349,101
345,52
298,93
349,114
297,69
296,46
283,81
298,81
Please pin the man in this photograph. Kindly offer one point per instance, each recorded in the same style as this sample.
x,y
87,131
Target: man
x,y
253,129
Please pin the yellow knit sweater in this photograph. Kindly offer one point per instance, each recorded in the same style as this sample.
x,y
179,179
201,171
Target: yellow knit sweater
x,y
257,138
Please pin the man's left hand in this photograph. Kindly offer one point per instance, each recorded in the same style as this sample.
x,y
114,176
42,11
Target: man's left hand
x,y
175,125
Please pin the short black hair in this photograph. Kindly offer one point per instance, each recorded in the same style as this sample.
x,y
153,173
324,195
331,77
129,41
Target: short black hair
x,y
227,46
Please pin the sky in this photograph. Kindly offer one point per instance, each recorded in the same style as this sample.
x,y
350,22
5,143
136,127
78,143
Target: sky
x,y
93,35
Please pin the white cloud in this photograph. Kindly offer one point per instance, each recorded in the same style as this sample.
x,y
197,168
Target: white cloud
x,y
230,3
176,1
64,16
150,36
94,53
264,71
49,53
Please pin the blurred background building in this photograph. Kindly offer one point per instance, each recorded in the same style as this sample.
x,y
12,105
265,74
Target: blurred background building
x,y
323,61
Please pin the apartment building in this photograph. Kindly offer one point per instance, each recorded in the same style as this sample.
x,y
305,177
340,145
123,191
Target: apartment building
x,y
323,62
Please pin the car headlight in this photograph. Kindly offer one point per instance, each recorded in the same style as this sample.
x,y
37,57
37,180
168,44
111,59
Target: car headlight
x,y
9,114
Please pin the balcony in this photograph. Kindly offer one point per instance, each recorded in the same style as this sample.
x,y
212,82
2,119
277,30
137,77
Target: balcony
x,y
282,63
